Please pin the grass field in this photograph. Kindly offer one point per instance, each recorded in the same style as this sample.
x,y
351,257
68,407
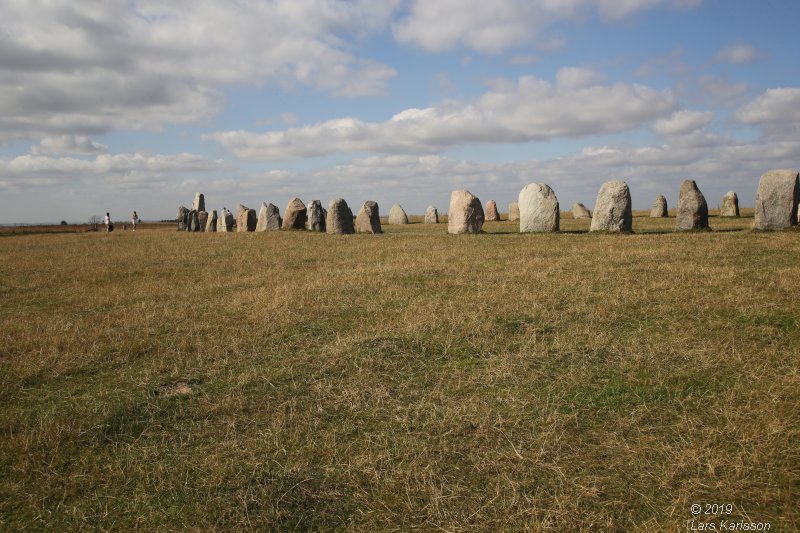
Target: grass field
x,y
410,380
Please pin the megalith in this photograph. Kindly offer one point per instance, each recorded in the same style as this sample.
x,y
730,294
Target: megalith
x,y
513,211
465,214
199,203
211,224
538,209
183,218
315,216
491,211
269,218
295,215
776,199
246,219
340,218
431,215
368,219
202,219
659,207
730,205
612,210
692,208
580,211
397,215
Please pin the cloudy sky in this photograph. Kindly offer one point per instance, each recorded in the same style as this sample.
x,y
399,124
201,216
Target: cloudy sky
x,y
136,104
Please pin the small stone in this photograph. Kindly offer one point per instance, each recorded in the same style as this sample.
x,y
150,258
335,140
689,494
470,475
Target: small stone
x,y
202,219
211,224
199,203
659,208
513,211
368,219
612,211
580,211
465,214
776,199
246,219
431,215
692,208
730,205
491,211
295,215
269,218
315,216
538,209
340,218
397,215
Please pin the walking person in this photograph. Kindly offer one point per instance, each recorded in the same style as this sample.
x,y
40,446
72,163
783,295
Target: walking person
x,y
134,220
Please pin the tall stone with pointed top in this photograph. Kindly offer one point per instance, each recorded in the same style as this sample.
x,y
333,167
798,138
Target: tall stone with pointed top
x,y
199,203
612,210
183,218
295,215
492,215
246,219
211,223
465,214
730,205
340,218
580,211
368,219
431,215
513,211
269,218
692,208
202,219
538,209
659,207
315,219
777,199
397,215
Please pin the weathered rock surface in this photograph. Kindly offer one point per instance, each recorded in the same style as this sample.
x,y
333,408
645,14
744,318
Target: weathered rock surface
x,y
340,218
580,211
465,214
492,215
211,224
202,219
368,219
612,211
513,211
269,218
183,218
776,199
199,203
295,215
659,207
538,209
692,208
194,221
315,216
397,215
730,205
225,222
246,219
431,215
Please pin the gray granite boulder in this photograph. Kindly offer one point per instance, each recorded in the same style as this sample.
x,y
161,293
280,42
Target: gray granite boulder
x,y
295,215
368,219
211,224
612,210
513,211
580,211
776,199
193,221
730,205
246,219
225,222
199,203
692,208
202,219
538,209
183,218
465,214
431,215
397,215
315,216
659,207
492,215
269,218
340,218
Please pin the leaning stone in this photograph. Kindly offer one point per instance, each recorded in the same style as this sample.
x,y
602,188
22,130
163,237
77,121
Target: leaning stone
x,y
730,205
431,215
513,211
194,221
397,215
776,199
315,219
465,214
538,209
692,208
368,219
199,203
340,218
295,215
269,218
491,211
580,211
183,218
246,219
202,218
211,224
612,211
659,207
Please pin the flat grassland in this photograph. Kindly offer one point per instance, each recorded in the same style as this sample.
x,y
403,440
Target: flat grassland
x,y
293,380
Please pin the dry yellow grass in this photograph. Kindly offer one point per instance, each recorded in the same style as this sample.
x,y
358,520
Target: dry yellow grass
x,y
292,380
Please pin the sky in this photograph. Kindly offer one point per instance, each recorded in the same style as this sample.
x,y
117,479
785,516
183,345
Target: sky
x,y
137,104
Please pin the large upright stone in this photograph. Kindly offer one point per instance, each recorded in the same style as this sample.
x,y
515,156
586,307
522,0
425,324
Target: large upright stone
x,y
397,215
612,211
730,205
538,209
340,218
580,211
202,218
431,215
492,215
692,208
269,218
211,224
246,219
368,219
193,221
295,215
183,218
199,203
513,211
315,219
225,222
465,214
659,207
776,199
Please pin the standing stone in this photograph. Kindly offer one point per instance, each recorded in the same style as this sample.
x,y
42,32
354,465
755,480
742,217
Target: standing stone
x,y
580,211
513,211
538,209
692,208
246,219
368,219
491,211
776,199
431,215
269,218
315,220
202,219
182,218
340,218
194,221
211,224
730,205
659,208
225,222
199,203
397,215
465,214
612,211
295,215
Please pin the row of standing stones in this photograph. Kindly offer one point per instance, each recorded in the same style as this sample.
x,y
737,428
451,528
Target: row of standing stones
x,y
537,210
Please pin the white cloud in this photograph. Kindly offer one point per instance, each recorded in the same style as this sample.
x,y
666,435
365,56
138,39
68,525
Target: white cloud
x,y
720,90
523,60
776,110
683,122
738,54
531,109
571,78
68,144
